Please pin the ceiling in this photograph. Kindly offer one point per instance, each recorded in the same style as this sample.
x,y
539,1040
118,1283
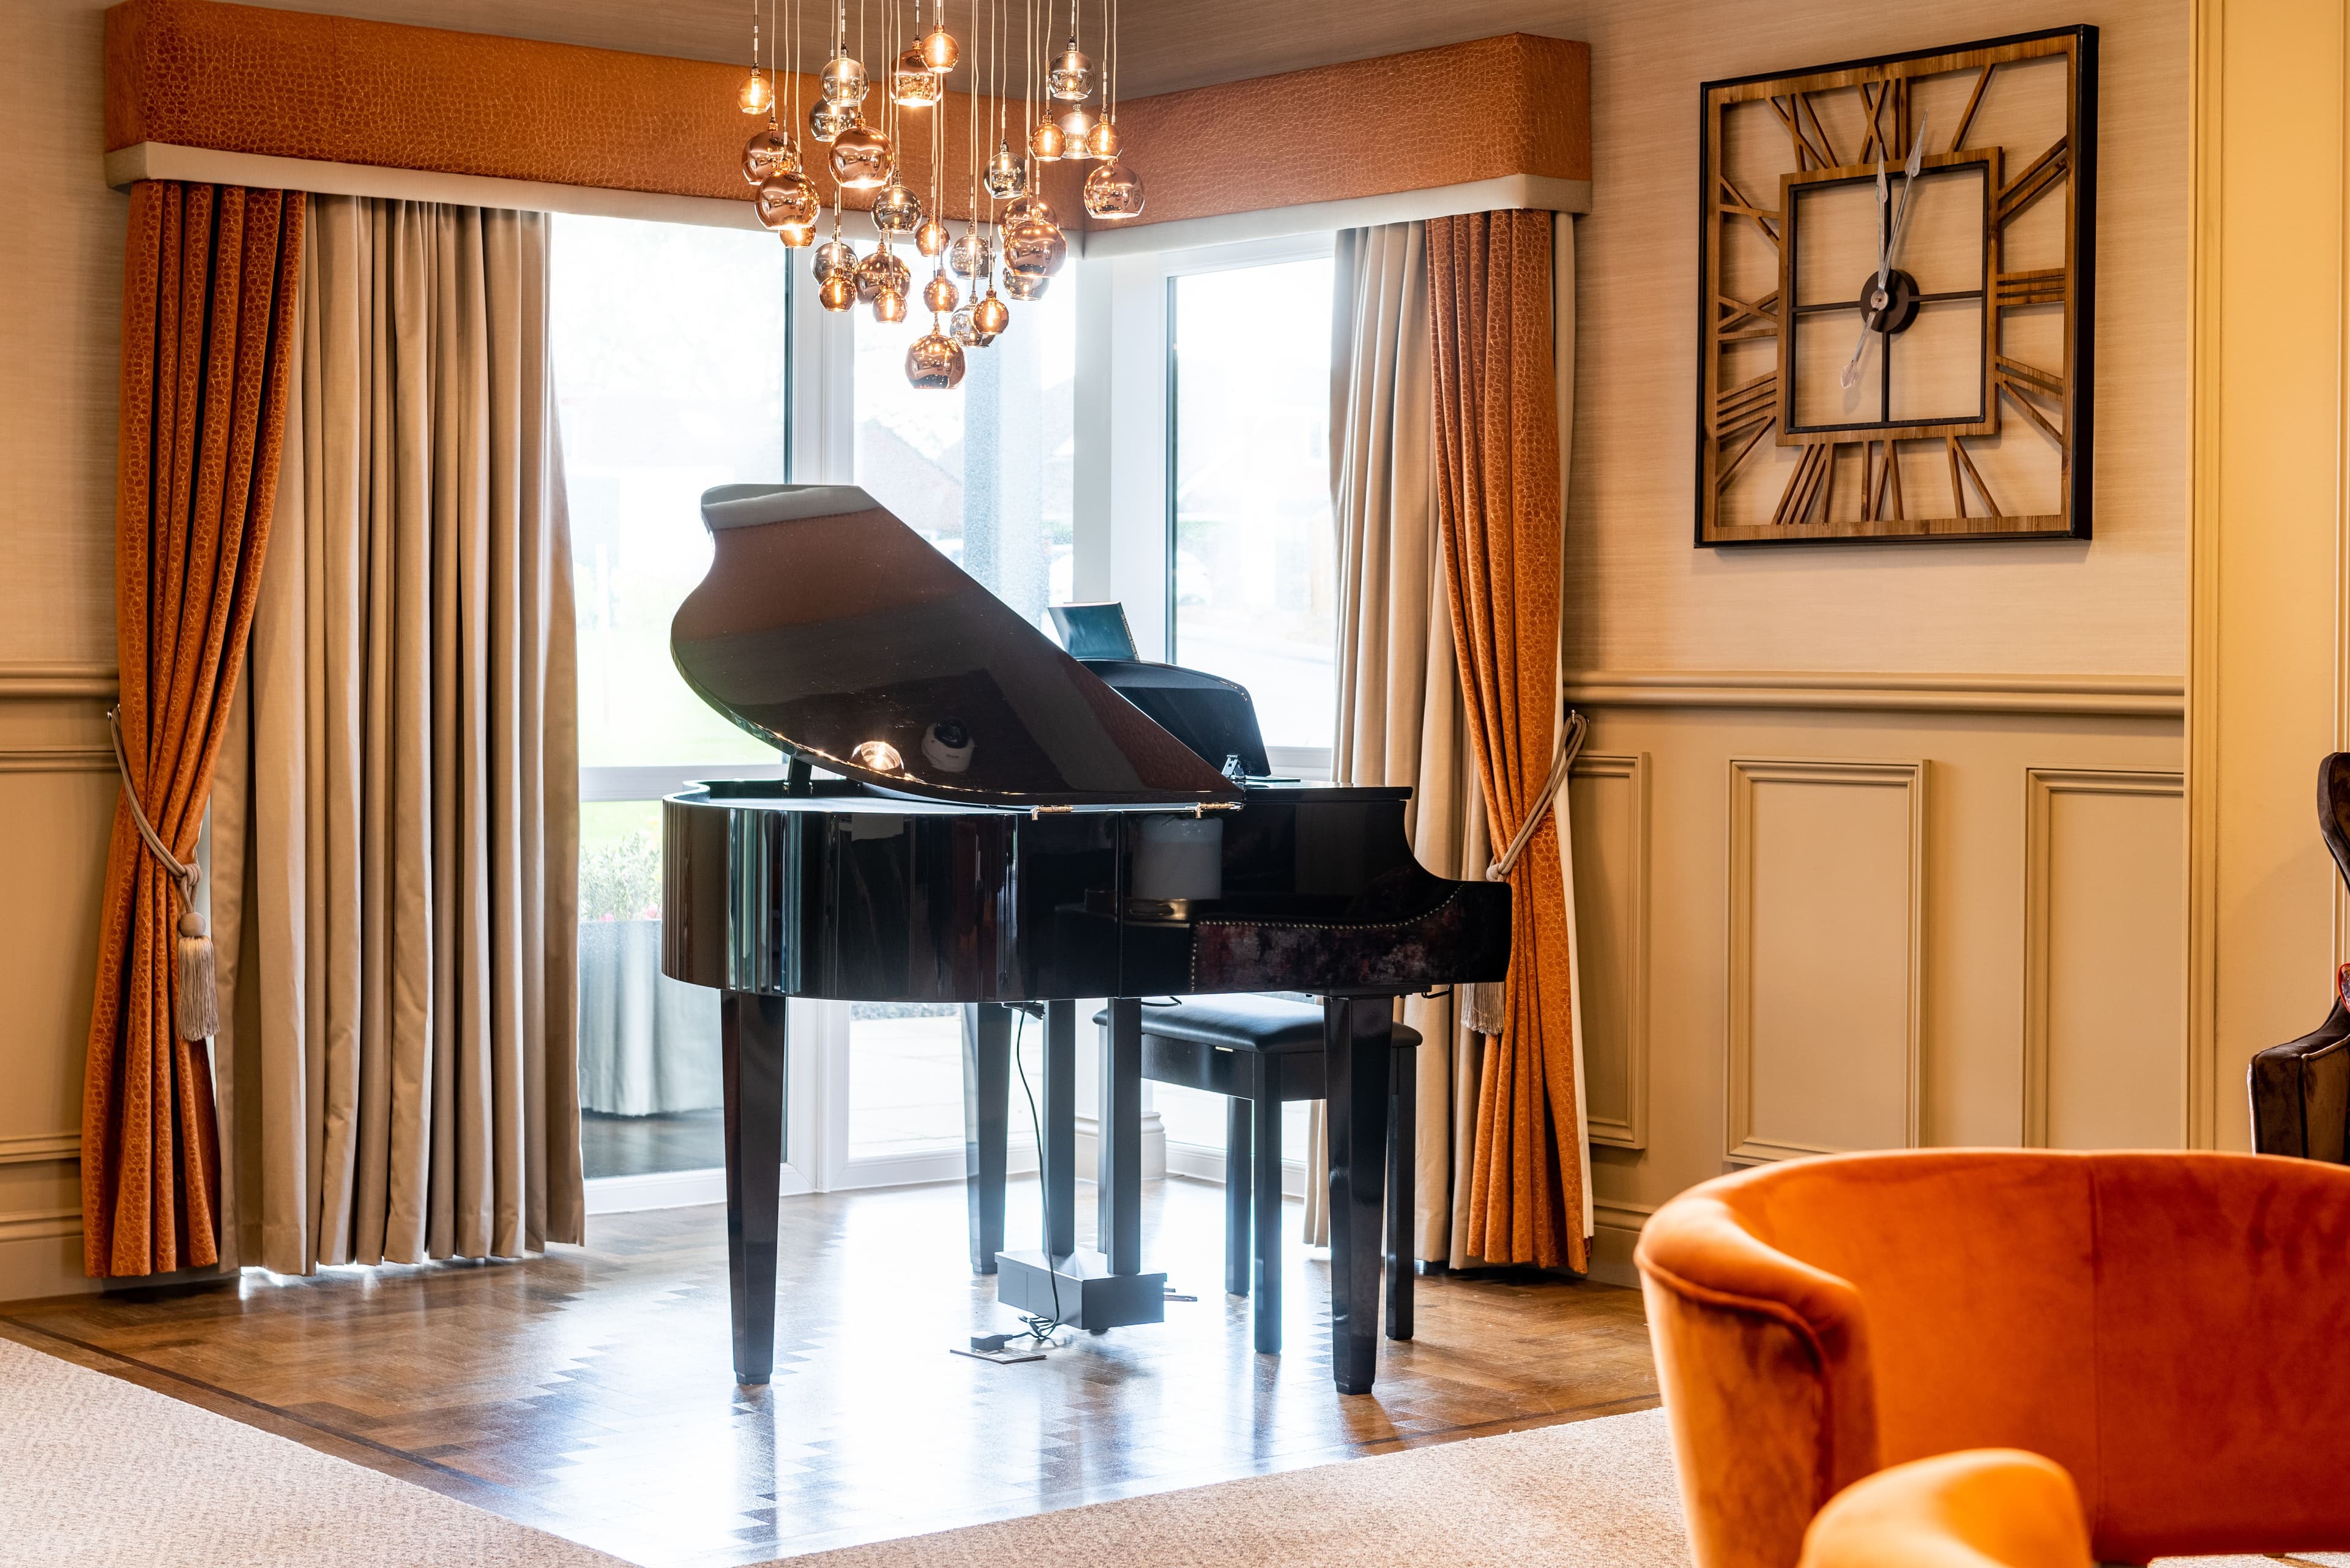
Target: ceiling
x,y
1167,45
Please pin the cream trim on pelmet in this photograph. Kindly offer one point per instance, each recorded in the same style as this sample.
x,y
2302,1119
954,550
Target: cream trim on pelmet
x,y
400,814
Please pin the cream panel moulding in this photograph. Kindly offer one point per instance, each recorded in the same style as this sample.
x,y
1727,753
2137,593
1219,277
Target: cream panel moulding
x,y
2114,696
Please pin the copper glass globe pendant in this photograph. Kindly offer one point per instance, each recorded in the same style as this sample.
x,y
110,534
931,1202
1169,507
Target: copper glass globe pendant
x,y
939,294
930,239
769,153
862,159
989,317
1006,177
788,202
1113,190
912,83
889,306
844,81
935,361
828,119
895,209
757,93
1072,78
971,256
883,270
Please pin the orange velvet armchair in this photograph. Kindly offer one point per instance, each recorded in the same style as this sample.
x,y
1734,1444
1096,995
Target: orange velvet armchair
x,y
1983,1507
2168,1328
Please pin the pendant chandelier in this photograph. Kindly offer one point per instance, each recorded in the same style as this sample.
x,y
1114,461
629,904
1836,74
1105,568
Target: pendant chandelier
x,y
1068,112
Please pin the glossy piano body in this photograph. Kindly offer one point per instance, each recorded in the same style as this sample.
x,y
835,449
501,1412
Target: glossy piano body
x,y
853,895
1003,827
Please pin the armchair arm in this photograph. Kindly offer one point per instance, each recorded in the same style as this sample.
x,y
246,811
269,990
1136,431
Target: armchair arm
x,y
1764,1363
1978,1507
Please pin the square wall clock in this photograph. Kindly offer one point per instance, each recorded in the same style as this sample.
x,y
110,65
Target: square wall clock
x,y
1895,296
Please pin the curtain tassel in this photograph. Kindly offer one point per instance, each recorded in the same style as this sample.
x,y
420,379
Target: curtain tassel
x,y
195,998
195,1005
1484,1005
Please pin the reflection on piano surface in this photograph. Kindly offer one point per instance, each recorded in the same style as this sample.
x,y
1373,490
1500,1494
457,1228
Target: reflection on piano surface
x,y
1008,828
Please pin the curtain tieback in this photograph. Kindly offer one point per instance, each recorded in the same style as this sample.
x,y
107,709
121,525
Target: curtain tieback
x,y
195,1001
1484,1003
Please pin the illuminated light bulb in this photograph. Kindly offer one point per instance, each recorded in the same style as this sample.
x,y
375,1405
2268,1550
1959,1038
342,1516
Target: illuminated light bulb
x,y
1022,285
889,307
939,50
971,256
838,293
1005,177
1044,142
1102,141
836,255
930,239
960,327
1033,248
1073,75
912,83
828,120
757,95
797,237
788,200
844,81
988,318
939,294
896,210
770,153
861,158
877,756
934,363
1076,125
1113,190
884,272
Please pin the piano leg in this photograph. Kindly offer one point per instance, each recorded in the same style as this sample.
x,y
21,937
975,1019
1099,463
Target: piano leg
x,y
752,1054
1117,1162
1403,1159
1355,1054
1240,1157
986,1107
1264,1250
1059,1112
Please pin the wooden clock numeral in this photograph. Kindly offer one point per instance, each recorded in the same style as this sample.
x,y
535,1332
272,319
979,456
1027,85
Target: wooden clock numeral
x,y
1965,410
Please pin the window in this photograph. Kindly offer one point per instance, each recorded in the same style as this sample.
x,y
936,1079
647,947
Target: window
x,y
1252,559
1252,553
671,350
984,472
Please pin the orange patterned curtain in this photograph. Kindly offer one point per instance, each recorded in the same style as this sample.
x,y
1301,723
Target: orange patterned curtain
x,y
208,284
1498,509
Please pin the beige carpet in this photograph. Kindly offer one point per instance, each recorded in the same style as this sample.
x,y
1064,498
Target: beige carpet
x,y
97,1471
94,1471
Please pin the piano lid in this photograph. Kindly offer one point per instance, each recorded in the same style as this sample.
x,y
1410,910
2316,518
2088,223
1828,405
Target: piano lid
x,y
830,630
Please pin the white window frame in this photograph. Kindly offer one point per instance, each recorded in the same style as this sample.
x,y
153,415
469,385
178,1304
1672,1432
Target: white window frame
x,y
1125,436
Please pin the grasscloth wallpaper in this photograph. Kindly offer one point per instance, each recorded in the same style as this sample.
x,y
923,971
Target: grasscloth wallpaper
x,y
1655,838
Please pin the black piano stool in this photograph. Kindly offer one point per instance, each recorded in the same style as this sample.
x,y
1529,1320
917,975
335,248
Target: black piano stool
x,y
1261,1051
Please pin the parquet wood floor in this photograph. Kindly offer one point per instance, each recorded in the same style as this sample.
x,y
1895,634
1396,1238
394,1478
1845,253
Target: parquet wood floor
x,y
589,1393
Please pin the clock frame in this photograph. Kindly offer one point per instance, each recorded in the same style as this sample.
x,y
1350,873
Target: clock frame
x,y
1783,457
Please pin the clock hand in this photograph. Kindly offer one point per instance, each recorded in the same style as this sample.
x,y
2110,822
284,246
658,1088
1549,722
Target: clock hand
x,y
1851,371
1909,187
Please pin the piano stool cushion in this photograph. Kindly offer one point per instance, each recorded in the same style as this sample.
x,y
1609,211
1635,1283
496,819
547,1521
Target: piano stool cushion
x,y
1243,1022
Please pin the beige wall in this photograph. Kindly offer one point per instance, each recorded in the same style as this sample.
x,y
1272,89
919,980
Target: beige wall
x,y
2009,960
1824,909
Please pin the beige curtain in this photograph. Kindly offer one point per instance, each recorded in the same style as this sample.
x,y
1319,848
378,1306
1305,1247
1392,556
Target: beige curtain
x,y
1402,719
405,816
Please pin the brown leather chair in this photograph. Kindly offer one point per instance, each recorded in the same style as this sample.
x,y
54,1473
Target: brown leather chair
x,y
2301,1090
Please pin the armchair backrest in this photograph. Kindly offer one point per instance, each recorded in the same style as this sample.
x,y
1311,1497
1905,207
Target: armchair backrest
x,y
2166,1326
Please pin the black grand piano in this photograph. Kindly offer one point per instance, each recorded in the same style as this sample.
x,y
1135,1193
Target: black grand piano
x,y
1003,827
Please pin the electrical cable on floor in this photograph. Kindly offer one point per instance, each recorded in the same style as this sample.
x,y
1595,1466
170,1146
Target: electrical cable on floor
x,y
1040,1329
